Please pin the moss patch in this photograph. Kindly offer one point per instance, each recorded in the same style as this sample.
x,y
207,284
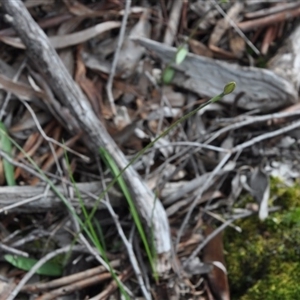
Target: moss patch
x,y
263,261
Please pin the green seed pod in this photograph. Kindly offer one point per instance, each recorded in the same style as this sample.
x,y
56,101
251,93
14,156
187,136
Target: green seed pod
x,y
229,88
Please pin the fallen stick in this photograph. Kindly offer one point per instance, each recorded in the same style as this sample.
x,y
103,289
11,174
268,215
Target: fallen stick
x,y
46,60
256,88
28,199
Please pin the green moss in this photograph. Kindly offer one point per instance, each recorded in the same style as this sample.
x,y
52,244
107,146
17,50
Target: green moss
x,y
263,261
282,282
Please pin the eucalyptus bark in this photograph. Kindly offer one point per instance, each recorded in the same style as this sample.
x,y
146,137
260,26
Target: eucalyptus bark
x,y
256,88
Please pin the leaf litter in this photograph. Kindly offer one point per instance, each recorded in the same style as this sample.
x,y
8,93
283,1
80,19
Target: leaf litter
x,y
202,169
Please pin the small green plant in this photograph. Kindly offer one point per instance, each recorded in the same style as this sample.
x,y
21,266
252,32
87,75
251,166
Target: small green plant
x,y
86,225
229,88
24,263
98,239
169,72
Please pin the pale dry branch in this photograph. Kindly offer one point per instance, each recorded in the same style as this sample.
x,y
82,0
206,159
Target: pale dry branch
x,y
46,60
116,57
25,199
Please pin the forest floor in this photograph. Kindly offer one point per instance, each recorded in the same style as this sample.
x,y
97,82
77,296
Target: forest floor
x,y
149,149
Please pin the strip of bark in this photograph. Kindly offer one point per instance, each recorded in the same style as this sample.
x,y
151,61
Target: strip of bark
x,y
259,88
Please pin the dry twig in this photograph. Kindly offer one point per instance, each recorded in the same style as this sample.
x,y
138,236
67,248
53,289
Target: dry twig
x,y
116,57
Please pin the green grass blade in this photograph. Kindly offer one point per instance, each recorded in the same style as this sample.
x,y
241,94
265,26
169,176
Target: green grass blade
x,y
24,263
5,145
115,171
71,210
100,246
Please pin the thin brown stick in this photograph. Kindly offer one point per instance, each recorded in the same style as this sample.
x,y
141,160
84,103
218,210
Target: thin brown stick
x,y
269,20
271,10
76,286
66,280
125,275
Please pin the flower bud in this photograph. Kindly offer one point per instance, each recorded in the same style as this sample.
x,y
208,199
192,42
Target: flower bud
x,y
229,88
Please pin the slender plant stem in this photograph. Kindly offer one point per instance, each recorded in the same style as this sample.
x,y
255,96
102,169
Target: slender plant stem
x,y
140,153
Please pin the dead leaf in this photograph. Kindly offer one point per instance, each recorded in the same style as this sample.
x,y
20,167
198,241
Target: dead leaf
x,y
260,190
50,160
213,253
176,99
21,90
131,51
237,44
200,49
63,41
86,84
67,57
77,9
27,122
223,24
2,175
